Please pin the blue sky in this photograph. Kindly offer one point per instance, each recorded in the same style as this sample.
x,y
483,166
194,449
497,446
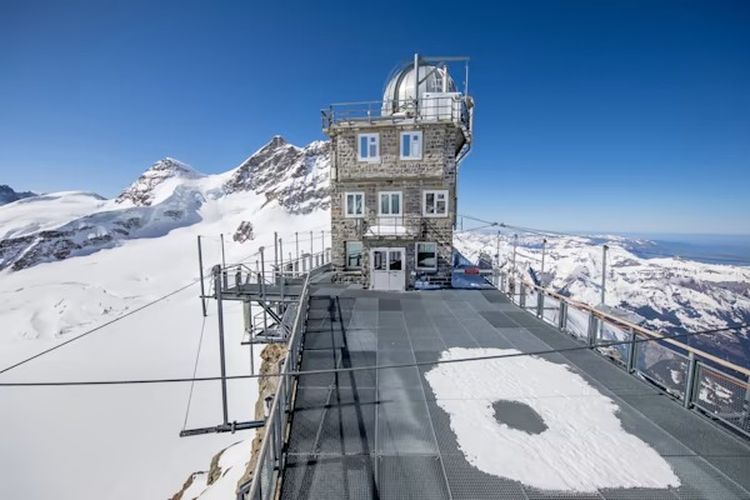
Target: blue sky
x,y
618,116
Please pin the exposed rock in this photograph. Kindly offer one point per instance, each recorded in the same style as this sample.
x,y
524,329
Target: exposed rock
x,y
244,232
143,191
272,354
101,230
8,195
297,178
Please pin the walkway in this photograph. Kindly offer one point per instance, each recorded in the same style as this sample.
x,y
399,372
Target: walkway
x,y
381,434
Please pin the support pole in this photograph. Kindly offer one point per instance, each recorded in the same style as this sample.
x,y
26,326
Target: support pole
x,y
604,271
222,355
515,245
223,254
416,84
322,243
296,246
275,249
261,276
497,249
200,269
544,248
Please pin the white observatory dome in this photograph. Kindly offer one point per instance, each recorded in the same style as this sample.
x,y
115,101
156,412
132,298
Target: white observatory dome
x,y
399,91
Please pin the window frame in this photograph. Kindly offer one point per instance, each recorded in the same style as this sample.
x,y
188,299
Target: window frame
x,y
411,156
346,204
436,192
347,267
416,256
400,203
368,158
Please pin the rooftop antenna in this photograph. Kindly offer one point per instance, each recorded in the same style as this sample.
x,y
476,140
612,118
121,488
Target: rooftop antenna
x,y
416,82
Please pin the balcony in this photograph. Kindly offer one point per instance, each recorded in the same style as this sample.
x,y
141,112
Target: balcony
x,y
448,107
401,227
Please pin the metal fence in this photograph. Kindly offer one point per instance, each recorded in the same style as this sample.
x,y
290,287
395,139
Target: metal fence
x,y
271,457
717,388
443,107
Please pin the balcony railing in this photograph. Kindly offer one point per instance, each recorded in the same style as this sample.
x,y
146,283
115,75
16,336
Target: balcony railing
x,y
400,226
449,108
700,380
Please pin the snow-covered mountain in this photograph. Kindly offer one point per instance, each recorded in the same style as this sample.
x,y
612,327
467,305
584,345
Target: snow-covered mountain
x,y
168,195
70,261
672,294
8,195
298,178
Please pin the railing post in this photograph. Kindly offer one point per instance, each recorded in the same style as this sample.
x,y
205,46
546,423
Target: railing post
x,y
593,327
632,351
296,245
261,276
690,380
540,305
275,249
522,295
746,406
562,320
281,258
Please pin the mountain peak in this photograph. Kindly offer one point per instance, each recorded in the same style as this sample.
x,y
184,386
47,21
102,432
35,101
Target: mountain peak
x,y
277,140
172,165
296,177
9,195
143,191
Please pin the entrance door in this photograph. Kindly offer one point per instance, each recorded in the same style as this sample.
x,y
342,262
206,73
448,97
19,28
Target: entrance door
x,y
387,269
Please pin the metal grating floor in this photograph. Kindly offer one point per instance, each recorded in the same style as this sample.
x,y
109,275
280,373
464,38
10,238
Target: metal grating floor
x,y
381,434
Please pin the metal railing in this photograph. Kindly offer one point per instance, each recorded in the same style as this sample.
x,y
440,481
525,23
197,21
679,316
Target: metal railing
x,y
716,387
271,457
378,226
237,275
451,108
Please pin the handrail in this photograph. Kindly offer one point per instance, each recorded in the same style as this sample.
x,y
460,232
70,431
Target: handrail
x,y
700,369
635,327
274,426
451,107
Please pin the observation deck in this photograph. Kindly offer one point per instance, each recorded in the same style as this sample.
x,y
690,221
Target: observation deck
x,y
391,432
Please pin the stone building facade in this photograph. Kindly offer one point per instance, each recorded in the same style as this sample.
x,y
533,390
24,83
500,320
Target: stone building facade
x,y
393,197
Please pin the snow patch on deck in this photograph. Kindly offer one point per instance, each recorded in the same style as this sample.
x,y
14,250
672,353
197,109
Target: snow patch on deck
x,y
584,447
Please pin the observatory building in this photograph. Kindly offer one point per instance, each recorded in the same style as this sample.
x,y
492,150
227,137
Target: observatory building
x,y
393,177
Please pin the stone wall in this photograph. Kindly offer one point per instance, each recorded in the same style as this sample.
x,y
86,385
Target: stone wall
x,y
436,171
440,143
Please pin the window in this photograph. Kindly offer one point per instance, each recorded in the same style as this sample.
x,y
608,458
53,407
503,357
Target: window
x,y
435,203
390,203
353,255
411,145
369,147
354,204
427,256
